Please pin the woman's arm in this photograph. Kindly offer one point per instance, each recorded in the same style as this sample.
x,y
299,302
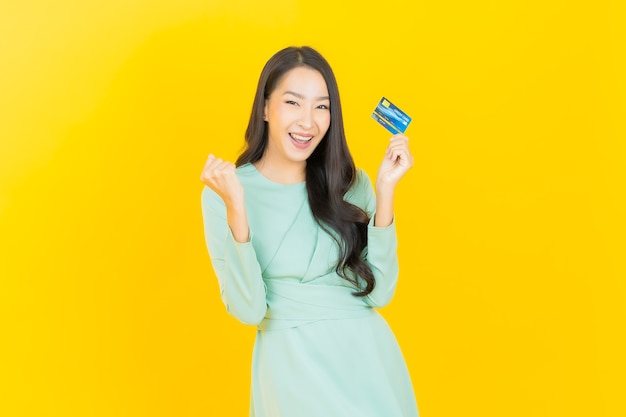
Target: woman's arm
x,y
382,244
397,161
221,177
228,241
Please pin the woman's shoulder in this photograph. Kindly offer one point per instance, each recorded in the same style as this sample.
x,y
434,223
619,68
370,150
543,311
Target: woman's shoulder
x,y
246,170
361,189
249,175
362,181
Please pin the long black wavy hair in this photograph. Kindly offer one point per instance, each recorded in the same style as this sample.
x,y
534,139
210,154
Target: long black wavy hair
x,y
330,170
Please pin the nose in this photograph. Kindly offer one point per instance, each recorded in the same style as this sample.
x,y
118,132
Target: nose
x,y
306,118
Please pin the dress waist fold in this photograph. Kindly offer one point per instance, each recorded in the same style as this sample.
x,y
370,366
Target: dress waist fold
x,y
292,304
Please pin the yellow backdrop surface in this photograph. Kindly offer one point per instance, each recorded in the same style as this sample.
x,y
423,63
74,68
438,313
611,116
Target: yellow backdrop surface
x,y
512,293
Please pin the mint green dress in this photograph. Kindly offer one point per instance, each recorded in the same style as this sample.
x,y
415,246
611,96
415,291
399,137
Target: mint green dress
x,y
319,350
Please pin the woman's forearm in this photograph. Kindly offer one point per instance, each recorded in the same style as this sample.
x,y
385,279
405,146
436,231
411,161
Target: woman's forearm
x,y
238,222
384,207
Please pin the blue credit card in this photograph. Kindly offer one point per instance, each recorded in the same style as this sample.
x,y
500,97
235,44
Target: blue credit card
x,y
391,117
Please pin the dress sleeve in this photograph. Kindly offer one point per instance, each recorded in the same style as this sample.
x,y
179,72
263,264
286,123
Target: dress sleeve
x,y
382,244
235,264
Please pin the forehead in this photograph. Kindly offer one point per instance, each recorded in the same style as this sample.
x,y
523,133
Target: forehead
x,y
303,80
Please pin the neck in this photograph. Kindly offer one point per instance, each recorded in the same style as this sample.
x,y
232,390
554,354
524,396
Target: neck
x,y
283,173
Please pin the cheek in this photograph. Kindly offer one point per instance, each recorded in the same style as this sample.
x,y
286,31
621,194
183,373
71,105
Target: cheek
x,y
323,121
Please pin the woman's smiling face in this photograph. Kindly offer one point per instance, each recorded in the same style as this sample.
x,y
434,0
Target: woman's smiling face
x,y
298,116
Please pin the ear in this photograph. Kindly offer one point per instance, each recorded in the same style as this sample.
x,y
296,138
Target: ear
x,y
265,111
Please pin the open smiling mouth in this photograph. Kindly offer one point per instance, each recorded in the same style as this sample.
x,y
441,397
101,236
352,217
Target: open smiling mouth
x,y
300,139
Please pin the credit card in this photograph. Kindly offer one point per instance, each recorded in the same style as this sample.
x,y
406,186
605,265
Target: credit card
x,y
391,117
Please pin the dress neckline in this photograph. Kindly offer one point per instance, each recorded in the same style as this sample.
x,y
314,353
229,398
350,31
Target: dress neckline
x,y
278,184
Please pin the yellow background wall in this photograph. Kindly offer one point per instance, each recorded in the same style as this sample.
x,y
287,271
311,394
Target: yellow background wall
x,y
511,225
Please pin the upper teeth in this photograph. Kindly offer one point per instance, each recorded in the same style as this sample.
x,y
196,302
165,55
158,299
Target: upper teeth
x,y
298,137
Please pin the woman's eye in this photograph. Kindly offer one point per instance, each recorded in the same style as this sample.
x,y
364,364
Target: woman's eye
x,y
293,103
323,106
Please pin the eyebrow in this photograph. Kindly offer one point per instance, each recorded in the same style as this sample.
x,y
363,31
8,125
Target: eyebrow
x,y
300,96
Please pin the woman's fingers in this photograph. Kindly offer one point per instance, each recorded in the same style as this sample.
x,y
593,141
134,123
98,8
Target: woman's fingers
x,y
397,161
398,150
205,174
216,169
